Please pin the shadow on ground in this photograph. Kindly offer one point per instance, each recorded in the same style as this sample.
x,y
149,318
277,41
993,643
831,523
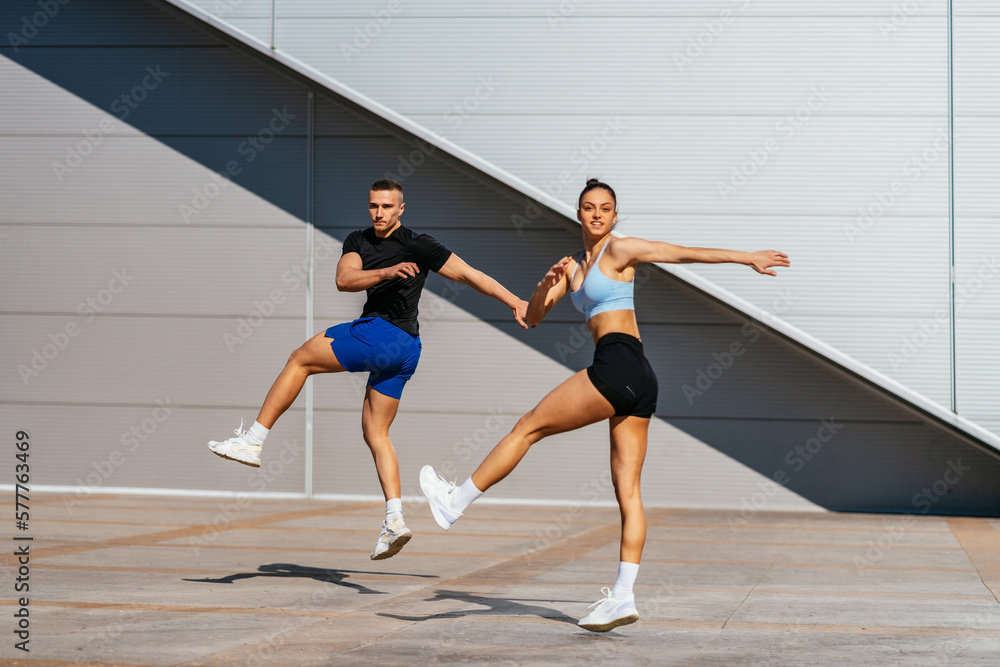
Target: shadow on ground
x,y
337,577
493,607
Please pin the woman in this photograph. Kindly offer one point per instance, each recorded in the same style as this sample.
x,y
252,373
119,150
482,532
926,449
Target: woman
x,y
620,385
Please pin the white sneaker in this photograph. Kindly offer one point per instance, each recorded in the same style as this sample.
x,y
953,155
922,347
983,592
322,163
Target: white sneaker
x,y
238,449
393,537
438,492
610,613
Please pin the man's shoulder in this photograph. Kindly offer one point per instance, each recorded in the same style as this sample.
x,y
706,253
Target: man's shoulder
x,y
415,237
359,235
406,234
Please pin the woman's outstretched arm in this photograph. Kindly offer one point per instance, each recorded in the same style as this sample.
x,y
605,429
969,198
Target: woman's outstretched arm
x,y
631,251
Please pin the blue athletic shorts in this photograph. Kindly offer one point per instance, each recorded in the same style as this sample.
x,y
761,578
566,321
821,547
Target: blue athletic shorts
x,y
388,353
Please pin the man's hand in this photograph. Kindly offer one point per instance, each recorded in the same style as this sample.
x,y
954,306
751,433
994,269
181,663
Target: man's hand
x,y
762,260
520,312
401,270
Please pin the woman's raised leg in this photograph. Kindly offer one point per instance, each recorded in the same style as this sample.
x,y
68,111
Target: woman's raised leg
x,y
573,404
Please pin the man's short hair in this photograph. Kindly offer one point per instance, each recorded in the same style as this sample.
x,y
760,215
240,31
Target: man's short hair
x,y
384,184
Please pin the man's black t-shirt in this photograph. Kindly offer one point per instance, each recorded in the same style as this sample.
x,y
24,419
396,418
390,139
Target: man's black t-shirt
x,y
395,300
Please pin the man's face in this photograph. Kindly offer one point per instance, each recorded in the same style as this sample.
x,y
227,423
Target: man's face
x,y
385,207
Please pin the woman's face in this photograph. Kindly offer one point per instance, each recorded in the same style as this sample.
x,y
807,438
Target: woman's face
x,y
597,212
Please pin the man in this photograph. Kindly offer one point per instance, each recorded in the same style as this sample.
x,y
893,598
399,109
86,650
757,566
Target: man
x,y
391,263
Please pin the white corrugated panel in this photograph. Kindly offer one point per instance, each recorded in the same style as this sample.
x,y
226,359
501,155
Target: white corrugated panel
x,y
977,209
816,128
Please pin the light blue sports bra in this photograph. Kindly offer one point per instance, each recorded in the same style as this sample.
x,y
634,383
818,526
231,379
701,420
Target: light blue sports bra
x,y
598,293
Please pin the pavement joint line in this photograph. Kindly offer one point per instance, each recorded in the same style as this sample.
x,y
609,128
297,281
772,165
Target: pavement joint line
x,y
834,566
739,606
112,523
187,609
252,547
148,539
981,542
410,523
358,531
169,570
14,662
507,572
825,529
764,590
836,545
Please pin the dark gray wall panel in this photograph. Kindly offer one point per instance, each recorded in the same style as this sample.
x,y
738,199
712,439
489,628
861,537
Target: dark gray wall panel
x,y
879,467
98,22
435,194
336,120
140,180
190,98
766,379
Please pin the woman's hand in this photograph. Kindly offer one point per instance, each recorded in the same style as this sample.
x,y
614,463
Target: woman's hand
x,y
762,261
555,274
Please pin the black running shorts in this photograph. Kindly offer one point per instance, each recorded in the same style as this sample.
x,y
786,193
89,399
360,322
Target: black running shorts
x,y
623,375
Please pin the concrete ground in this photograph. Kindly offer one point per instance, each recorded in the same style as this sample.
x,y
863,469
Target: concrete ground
x,y
180,581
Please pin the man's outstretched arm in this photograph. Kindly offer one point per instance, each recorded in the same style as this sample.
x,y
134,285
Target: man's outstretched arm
x,y
456,269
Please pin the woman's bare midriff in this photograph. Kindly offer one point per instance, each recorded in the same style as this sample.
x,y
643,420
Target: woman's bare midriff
x,y
613,321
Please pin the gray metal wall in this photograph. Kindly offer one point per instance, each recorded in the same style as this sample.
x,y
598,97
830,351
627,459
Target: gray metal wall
x,y
207,304
818,127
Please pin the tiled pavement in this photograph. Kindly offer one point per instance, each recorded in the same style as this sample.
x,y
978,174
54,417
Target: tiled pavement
x,y
142,580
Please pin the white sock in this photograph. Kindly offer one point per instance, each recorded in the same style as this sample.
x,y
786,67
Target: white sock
x,y
393,509
464,496
257,434
626,578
